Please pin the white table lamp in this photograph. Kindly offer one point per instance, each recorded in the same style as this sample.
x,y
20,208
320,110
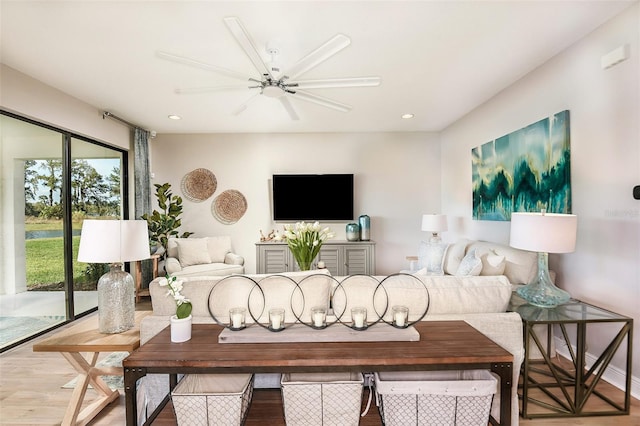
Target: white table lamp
x,y
543,233
114,242
434,223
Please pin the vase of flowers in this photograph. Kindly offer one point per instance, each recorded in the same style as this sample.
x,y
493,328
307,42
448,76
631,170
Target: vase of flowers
x,y
181,321
304,241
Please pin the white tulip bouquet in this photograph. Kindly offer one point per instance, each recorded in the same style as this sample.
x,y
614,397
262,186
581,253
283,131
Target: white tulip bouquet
x,y
304,241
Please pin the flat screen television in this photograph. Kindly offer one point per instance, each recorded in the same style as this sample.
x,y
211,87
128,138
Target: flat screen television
x,y
321,197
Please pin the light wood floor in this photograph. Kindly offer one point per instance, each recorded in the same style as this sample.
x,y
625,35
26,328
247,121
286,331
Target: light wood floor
x,y
31,394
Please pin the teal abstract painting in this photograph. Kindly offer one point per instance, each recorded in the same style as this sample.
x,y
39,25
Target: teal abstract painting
x,y
525,171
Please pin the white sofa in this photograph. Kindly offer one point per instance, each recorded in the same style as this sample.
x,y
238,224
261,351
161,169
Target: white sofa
x,y
467,257
189,257
481,301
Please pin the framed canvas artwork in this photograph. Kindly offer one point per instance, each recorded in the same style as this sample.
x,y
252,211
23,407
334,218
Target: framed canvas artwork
x,y
525,171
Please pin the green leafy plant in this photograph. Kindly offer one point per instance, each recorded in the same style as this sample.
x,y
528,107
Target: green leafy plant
x,y
164,224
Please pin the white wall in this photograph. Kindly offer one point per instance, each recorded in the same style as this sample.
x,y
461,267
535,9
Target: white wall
x,y
604,110
397,179
33,99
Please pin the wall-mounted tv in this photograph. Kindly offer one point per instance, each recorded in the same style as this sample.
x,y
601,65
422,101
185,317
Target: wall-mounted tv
x,y
321,197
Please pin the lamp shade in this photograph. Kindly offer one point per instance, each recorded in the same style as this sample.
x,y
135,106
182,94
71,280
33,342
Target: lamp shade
x,y
544,232
113,241
434,222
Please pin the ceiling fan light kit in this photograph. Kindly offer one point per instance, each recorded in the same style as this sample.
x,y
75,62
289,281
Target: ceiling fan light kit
x,y
273,84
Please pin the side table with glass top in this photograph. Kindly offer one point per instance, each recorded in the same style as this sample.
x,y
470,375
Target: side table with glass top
x,y
554,389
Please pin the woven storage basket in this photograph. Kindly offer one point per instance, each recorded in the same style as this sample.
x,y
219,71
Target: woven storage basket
x,y
434,398
212,399
322,399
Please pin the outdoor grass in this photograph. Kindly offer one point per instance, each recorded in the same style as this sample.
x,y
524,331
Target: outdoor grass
x,y
45,261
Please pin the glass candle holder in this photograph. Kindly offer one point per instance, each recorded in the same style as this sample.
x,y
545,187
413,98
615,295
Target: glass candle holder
x,y
276,319
400,316
359,317
236,318
319,316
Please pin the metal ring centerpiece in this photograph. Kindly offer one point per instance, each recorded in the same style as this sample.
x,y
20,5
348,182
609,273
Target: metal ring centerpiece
x,y
358,301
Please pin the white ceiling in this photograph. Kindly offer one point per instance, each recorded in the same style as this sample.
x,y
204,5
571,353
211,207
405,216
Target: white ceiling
x,y
437,59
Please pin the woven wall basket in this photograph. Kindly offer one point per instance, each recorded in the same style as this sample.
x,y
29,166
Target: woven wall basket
x,y
198,185
229,206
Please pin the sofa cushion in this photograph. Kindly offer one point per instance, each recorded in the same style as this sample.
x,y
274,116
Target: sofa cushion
x,y
520,266
313,287
192,251
455,254
492,263
209,269
471,265
457,295
446,295
218,248
431,257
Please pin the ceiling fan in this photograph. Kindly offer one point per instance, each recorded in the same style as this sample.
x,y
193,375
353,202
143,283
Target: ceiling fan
x,y
272,82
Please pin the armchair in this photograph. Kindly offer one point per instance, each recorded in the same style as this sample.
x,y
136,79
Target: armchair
x,y
202,257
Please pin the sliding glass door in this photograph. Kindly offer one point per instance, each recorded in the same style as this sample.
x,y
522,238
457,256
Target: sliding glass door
x,y
51,181
96,193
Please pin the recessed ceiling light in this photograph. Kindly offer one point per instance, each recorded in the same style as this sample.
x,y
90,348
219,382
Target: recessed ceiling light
x,y
407,116
175,117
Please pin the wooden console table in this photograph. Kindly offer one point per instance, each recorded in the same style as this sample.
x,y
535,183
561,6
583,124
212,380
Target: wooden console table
x,y
138,275
443,345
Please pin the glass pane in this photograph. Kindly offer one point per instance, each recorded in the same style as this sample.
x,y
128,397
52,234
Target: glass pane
x,y
96,193
32,296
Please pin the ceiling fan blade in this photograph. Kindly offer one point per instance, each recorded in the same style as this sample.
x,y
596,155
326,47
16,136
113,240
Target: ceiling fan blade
x,y
329,83
243,107
208,67
321,54
197,90
245,41
287,105
321,100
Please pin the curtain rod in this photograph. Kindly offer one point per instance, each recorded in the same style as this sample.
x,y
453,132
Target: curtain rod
x,y
106,114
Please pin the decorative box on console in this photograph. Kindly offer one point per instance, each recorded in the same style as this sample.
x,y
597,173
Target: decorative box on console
x,y
322,398
451,398
212,399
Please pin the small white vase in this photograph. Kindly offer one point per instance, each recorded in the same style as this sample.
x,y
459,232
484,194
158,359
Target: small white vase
x,y
180,329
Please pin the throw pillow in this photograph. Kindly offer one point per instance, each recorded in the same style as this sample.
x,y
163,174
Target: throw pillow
x,y
470,265
218,248
192,251
454,256
492,263
431,257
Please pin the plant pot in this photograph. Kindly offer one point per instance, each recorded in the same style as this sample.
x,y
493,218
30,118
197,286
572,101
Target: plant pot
x,y
180,329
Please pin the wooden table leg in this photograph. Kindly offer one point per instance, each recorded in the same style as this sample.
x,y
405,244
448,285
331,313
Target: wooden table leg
x,y
88,374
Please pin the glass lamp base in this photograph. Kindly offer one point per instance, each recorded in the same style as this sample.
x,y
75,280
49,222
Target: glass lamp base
x,y
542,292
116,301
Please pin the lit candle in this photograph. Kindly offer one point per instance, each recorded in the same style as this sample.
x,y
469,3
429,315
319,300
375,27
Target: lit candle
x,y
276,317
237,317
318,314
359,316
400,315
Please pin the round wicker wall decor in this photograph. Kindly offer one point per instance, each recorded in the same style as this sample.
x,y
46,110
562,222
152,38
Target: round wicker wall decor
x,y
229,206
198,185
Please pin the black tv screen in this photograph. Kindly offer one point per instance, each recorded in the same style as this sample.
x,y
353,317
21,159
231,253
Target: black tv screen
x,y
313,197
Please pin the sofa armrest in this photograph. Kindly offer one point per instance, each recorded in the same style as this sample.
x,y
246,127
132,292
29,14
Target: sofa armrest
x,y
233,259
172,265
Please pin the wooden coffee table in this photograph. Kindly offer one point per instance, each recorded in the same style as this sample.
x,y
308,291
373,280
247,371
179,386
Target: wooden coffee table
x,y
443,345
85,337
